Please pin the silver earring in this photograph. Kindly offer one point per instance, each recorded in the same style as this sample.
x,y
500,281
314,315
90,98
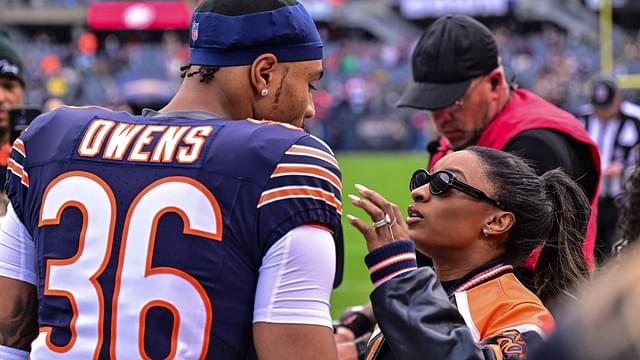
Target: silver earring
x,y
486,231
264,92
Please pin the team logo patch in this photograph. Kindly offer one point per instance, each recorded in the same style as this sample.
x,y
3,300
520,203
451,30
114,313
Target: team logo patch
x,y
194,31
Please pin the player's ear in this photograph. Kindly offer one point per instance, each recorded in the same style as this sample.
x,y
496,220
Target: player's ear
x,y
262,71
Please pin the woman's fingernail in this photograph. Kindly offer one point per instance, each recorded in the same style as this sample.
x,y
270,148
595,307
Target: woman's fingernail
x,y
351,217
361,188
354,198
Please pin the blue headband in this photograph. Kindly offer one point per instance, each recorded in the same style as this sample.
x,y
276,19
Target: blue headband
x,y
288,32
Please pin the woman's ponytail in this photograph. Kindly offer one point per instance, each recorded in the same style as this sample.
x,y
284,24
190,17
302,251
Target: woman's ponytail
x,y
551,213
562,264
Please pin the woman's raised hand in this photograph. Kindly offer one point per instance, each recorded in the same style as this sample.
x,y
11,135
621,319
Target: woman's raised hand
x,y
388,222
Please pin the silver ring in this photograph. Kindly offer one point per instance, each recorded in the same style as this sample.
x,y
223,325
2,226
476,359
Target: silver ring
x,y
386,220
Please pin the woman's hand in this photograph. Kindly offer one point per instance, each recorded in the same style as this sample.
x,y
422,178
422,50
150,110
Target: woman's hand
x,y
381,232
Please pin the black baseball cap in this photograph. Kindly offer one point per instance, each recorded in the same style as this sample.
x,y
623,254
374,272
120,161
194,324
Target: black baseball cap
x,y
450,53
602,93
10,63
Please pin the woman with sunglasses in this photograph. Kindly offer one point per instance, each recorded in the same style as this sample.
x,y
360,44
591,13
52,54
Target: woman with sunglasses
x,y
478,215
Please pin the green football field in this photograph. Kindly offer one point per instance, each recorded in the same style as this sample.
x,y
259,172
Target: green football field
x,y
388,174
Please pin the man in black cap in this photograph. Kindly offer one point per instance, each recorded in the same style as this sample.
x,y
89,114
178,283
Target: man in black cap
x,y
614,124
201,231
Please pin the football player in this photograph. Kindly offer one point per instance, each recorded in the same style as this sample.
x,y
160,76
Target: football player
x,y
195,232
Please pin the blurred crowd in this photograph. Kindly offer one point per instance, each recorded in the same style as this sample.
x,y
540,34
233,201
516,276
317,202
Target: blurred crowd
x,y
356,101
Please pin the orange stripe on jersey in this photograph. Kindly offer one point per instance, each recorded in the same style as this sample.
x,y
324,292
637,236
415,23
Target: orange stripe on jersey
x,y
312,152
308,170
18,171
18,146
290,192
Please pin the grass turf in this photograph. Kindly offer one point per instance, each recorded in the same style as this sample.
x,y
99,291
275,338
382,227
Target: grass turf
x,y
388,174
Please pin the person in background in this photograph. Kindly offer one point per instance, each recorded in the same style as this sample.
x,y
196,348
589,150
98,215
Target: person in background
x,y
12,88
204,230
478,214
614,124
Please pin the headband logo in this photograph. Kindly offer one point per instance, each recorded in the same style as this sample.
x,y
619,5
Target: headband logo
x,y
194,31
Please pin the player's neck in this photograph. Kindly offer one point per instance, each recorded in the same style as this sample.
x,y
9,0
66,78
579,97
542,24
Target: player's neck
x,y
211,99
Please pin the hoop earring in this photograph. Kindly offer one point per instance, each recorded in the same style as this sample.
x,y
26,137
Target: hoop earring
x,y
264,92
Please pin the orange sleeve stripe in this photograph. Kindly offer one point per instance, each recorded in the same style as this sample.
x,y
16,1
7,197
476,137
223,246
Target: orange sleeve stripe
x,y
17,170
298,192
309,151
315,171
18,146
15,167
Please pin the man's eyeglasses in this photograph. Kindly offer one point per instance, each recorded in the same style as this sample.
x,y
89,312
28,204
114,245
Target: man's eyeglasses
x,y
440,182
459,103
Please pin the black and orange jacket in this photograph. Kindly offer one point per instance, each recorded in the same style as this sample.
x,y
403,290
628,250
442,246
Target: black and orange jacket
x,y
488,315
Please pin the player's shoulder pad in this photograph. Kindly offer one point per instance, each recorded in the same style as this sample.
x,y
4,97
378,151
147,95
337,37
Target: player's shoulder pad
x,y
270,140
63,118
54,133
315,150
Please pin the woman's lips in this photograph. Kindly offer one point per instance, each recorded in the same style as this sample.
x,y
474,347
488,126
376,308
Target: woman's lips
x,y
414,215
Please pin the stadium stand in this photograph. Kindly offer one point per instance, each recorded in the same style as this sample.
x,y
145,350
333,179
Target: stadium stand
x,y
367,57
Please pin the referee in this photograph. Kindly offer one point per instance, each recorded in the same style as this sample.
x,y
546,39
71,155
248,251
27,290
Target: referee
x,y
614,124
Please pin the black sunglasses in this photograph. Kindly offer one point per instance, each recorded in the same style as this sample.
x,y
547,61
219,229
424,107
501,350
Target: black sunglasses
x,y
441,181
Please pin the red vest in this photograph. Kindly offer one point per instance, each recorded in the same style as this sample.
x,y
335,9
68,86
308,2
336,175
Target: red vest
x,y
527,111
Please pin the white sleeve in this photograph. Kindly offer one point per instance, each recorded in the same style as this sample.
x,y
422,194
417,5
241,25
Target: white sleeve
x,y
296,279
17,256
9,353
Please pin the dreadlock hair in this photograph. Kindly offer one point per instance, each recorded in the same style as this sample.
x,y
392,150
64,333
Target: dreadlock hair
x,y
631,209
551,211
206,72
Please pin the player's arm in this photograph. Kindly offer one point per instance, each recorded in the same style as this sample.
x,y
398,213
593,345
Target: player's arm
x,y
18,299
291,314
299,226
291,341
18,311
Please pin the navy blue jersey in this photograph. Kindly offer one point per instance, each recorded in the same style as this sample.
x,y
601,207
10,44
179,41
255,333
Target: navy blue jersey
x,y
149,233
